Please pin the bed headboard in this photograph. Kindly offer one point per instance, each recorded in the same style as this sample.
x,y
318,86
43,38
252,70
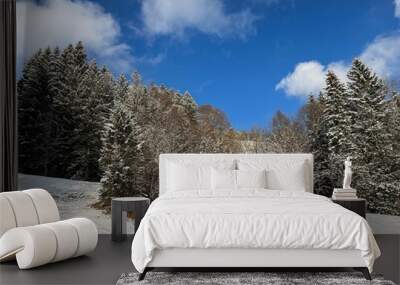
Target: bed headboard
x,y
195,158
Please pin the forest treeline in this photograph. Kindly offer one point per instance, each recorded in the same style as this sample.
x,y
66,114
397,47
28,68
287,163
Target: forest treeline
x,y
77,121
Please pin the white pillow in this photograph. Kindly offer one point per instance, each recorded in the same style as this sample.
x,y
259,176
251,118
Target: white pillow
x,y
223,179
188,177
282,174
292,178
251,178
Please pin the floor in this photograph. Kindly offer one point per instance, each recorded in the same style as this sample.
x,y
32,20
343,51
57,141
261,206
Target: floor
x,y
104,266
110,260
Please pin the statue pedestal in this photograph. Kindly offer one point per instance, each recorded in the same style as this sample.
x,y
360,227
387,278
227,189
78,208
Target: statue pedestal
x,y
344,194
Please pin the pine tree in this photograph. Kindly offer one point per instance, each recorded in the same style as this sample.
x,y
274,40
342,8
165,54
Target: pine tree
x,y
319,144
336,122
121,87
392,112
335,115
68,107
95,92
35,114
367,93
371,140
121,155
63,102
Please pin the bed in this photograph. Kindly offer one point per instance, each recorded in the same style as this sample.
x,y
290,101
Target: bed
x,y
246,211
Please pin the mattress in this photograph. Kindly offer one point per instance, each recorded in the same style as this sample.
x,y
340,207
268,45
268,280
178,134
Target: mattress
x,y
250,219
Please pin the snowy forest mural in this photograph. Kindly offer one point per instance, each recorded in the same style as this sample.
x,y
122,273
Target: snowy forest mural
x,y
78,121
104,87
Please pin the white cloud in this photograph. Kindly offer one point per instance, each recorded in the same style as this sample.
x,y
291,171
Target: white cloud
x,y
382,56
397,8
175,17
61,22
307,78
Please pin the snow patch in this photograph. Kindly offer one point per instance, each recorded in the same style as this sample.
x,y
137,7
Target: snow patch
x,y
73,197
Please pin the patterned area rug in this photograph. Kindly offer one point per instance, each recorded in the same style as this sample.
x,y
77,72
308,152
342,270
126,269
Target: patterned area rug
x,y
269,278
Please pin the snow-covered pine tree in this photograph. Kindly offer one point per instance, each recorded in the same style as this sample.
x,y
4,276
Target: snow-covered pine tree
x,y
121,87
387,196
319,144
95,93
366,94
140,101
392,111
55,85
68,105
80,56
336,120
35,114
372,145
121,155
63,111
63,102
154,137
335,115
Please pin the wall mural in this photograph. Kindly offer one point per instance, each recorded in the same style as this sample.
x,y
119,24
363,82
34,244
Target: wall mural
x,y
102,127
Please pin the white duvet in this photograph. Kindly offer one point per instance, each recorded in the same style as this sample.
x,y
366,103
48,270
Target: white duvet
x,y
250,219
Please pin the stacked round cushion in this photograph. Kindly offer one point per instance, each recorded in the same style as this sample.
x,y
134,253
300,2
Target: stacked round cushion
x,y
31,230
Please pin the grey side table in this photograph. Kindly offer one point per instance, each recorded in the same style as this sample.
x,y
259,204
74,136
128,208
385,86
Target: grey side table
x,y
119,210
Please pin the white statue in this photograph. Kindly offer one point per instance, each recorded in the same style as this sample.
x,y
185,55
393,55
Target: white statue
x,y
347,173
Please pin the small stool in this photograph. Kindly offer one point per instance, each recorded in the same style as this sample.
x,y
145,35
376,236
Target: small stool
x,y
119,209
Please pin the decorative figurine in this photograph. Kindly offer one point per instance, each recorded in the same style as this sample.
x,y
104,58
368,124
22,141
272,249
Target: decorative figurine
x,y
347,173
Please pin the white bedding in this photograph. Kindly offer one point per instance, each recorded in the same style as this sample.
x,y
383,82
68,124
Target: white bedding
x,y
250,219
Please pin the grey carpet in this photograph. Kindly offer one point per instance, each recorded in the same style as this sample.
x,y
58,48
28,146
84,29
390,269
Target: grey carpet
x,y
269,278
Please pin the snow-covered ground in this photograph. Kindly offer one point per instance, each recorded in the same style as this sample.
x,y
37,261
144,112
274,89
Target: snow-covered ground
x,y
75,197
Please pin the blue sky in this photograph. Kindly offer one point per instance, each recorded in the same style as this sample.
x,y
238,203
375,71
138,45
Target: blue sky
x,y
248,58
